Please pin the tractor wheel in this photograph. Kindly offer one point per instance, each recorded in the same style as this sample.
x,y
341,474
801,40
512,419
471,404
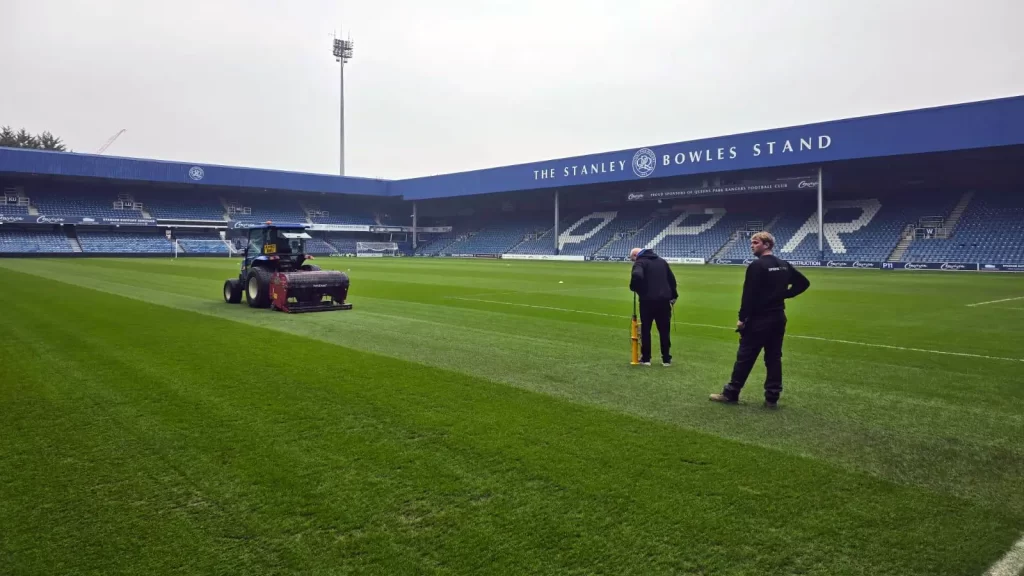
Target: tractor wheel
x,y
310,267
232,291
257,288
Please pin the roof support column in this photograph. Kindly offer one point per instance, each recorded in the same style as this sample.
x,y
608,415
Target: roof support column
x,y
556,221
821,217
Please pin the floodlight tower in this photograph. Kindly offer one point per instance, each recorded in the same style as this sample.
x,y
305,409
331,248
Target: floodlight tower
x,y
342,54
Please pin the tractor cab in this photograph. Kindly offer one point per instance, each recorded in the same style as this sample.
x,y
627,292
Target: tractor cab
x,y
276,247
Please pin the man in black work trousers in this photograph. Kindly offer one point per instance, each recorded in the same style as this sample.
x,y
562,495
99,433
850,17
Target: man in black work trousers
x,y
655,286
762,323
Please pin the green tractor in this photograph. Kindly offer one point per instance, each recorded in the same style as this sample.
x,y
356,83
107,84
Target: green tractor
x,y
275,274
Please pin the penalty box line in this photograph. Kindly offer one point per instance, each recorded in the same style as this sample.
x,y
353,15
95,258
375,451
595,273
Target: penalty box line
x,y
995,301
815,338
1012,564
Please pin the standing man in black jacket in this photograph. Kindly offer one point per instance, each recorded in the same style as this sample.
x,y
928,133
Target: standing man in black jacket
x,y
762,321
655,285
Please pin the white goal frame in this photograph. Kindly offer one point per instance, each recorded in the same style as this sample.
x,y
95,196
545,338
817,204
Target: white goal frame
x,y
376,249
232,251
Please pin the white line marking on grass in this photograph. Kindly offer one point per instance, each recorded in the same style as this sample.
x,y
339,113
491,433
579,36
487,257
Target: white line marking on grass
x,y
817,338
620,316
1012,563
995,301
873,345
559,290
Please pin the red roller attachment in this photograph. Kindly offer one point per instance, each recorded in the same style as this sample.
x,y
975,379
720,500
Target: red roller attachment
x,y
309,291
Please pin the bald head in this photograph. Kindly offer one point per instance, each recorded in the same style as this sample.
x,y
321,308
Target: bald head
x,y
633,253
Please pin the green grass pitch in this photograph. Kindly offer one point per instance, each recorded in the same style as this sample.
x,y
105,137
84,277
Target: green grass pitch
x,y
481,417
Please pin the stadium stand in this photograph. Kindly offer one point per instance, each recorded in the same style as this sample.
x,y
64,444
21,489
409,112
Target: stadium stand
x,y
895,226
205,207
125,243
792,219
542,242
498,238
263,208
89,205
201,243
991,230
435,244
586,232
341,244
693,233
866,229
319,246
336,212
322,244
13,210
34,242
13,202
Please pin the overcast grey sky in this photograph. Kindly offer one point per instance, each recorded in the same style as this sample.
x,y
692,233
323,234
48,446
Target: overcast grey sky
x,y
450,85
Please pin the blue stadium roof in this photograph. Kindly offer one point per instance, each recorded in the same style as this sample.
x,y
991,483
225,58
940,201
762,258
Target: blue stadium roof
x,y
159,171
973,125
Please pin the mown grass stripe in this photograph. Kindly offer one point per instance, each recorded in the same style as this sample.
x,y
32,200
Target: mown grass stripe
x,y
170,441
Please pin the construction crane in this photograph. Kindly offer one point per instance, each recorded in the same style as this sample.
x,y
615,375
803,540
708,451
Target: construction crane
x,y
110,141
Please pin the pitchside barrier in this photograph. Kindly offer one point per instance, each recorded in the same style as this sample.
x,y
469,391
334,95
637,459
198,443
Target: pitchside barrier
x,y
943,266
670,260
565,258
857,264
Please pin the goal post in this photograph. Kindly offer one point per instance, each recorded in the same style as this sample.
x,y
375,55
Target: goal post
x,y
376,249
204,246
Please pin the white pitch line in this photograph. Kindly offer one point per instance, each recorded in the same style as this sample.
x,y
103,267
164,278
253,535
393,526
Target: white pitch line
x,y
995,301
573,311
1012,564
560,290
873,345
817,338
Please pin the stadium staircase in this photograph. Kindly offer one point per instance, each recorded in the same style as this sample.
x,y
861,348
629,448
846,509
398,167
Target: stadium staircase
x,y
531,239
737,235
620,244
616,238
439,245
76,246
958,212
949,226
542,241
32,210
676,225
991,231
227,208
333,246
904,243
728,245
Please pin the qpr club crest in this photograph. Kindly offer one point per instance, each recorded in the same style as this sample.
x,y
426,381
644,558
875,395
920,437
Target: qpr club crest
x,y
196,173
644,162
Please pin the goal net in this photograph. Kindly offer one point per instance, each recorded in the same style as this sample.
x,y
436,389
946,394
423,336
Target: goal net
x,y
205,246
378,249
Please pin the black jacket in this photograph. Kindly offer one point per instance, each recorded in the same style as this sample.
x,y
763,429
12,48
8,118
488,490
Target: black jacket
x,y
768,283
652,279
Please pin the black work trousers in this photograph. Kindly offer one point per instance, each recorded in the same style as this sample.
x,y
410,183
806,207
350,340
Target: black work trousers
x,y
761,332
655,312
